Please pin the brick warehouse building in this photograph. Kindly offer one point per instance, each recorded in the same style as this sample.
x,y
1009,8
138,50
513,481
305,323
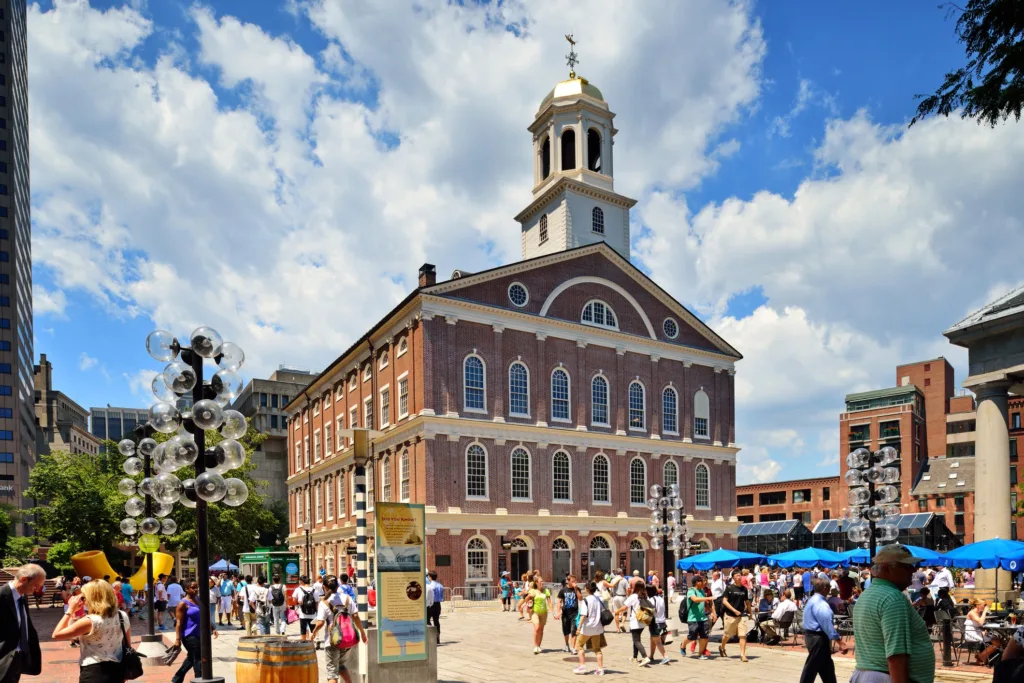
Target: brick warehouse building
x,y
530,406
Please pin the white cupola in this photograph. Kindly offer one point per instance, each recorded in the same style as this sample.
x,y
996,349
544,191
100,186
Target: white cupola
x,y
574,199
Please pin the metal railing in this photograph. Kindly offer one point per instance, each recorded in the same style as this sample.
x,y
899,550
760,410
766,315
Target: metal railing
x,y
472,597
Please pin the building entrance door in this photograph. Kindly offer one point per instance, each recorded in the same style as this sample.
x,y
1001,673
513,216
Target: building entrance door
x,y
600,558
561,564
519,558
637,562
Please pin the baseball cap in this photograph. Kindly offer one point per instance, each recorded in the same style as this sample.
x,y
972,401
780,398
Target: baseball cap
x,y
86,579
895,553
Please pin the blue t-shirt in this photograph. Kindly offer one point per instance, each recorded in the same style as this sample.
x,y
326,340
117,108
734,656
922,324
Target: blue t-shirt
x,y
126,593
349,589
227,588
807,582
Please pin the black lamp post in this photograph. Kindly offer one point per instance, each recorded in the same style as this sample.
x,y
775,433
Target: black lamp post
x,y
189,424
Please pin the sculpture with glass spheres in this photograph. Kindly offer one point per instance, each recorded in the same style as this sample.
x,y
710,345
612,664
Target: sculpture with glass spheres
x,y
874,494
171,414
667,518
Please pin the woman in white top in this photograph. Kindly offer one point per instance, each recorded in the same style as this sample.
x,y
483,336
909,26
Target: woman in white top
x,y
101,633
591,630
975,620
658,626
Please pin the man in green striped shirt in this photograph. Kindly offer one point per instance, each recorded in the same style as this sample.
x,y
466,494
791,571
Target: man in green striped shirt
x,y
891,636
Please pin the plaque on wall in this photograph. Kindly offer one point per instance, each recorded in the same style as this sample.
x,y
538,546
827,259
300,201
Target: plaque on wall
x,y
585,564
442,560
622,560
502,563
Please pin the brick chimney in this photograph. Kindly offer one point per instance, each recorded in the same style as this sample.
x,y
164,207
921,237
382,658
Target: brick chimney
x,y
428,275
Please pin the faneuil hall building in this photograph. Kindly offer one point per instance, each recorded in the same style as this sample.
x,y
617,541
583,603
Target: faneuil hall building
x,y
529,407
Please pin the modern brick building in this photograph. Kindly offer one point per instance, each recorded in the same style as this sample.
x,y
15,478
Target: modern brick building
x,y
808,500
530,406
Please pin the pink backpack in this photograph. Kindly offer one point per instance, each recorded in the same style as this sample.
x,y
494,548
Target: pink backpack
x,y
343,631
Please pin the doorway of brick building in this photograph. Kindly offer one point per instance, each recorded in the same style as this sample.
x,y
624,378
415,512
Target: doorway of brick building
x,y
637,558
600,555
561,560
519,558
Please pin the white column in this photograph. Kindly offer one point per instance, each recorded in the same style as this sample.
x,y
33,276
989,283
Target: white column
x,y
992,475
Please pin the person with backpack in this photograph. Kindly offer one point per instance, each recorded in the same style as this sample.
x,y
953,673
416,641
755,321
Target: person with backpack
x,y
247,595
641,613
568,607
278,608
338,615
659,625
306,606
692,611
591,630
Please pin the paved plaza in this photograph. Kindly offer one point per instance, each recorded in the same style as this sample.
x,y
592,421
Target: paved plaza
x,y
489,645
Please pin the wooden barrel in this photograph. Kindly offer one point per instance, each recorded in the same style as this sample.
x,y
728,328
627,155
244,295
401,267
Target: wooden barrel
x,y
275,659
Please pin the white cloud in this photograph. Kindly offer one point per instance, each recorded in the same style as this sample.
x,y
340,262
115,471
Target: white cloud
x,y
48,301
807,94
140,383
86,362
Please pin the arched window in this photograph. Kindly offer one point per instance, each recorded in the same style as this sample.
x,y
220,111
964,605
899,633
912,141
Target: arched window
x,y
385,479
670,411
602,491
545,158
599,543
520,474
404,474
473,383
637,407
637,482
670,474
599,400
594,150
636,544
702,483
383,359
518,390
568,149
597,220
599,314
476,471
560,544
544,228
478,559
560,477
560,395
403,347
701,415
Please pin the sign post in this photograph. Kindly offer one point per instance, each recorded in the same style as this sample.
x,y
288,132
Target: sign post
x,y
401,582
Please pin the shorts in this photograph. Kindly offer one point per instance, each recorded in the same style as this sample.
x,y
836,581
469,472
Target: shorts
x,y
698,629
306,625
617,602
539,618
335,660
225,604
595,643
736,626
160,605
657,629
568,622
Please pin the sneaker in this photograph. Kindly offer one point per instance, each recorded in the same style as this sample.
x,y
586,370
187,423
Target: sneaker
x,y
599,672
666,660
575,652
645,661
536,650
704,657
580,670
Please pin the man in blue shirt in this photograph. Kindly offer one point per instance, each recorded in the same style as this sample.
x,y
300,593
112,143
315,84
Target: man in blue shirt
x,y
434,610
818,636
806,579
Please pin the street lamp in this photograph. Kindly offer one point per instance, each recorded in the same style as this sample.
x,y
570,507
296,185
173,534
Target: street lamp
x,y
668,527
874,497
172,414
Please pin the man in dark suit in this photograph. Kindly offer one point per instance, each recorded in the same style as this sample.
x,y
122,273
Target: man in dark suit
x,y
19,644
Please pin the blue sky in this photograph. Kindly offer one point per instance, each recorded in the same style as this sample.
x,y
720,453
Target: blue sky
x,y
225,160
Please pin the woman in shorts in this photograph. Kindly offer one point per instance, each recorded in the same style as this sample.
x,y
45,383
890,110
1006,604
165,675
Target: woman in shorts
x,y
659,625
591,630
539,602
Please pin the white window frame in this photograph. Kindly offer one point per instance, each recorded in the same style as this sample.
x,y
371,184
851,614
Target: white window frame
x,y
339,427
319,504
673,432
309,511
525,289
342,508
385,407
328,440
487,473
568,460
529,476
326,400
696,486
486,550
643,493
368,371
403,395
483,382
298,457
305,417
664,474
403,347
299,518
702,412
295,424
339,392
368,412
568,391
383,359
607,400
404,488
317,454
316,407
527,369
593,480
596,212
591,322
371,484
353,381
329,493
542,228
305,449
353,418
385,479
664,324
629,406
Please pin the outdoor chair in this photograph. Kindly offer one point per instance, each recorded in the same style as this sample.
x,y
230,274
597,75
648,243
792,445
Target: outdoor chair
x,y
786,623
960,642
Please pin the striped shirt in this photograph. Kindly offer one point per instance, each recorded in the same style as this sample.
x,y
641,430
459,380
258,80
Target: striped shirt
x,y
886,624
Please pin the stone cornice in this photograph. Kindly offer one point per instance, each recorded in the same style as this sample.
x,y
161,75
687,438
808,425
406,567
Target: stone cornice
x,y
571,185
542,119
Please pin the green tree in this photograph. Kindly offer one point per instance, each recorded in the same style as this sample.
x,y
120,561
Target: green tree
x,y
20,549
6,521
60,554
990,86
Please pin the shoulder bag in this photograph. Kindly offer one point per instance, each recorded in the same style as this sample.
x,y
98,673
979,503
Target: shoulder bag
x,y
131,661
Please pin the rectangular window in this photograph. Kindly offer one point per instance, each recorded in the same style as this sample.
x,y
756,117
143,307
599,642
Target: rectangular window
x,y
298,457
273,422
826,514
700,426
826,493
340,422
6,412
4,256
319,506
353,419
385,407
403,465
7,457
342,510
4,235
305,448
5,390
804,517
772,498
371,481
316,446
403,398
5,346
1016,420
802,496
1013,474
273,400
5,368
940,502
773,517
306,499
298,510
328,443
330,501
368,412
745,500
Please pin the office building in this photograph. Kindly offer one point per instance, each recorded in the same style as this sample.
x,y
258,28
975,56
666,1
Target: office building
x,y
61,424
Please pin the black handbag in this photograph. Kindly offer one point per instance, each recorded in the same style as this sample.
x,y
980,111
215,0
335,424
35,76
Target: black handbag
x,y
131,661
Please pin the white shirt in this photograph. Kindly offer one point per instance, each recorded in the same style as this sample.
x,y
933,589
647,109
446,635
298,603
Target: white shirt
x,y
717,588
942,579
161,591
318,591
340,601
297,596
784,607
671,583
430,592
659,609
590,616
174,594
633,604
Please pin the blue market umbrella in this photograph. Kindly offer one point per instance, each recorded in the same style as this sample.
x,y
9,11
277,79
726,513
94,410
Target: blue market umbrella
x,y
809,557
983,554
860,555
719,559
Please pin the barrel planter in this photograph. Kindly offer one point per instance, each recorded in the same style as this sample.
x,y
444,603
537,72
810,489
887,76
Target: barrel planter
x,y
275,659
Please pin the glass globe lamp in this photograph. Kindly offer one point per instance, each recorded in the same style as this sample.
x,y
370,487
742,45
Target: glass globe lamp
x,y
234,426
236,492
210,486
127,487
226,384
875,474
134,506
167,488
207,414
231,357
164,418
892,475
146,446
859,496
179,377
150,525
206,341
887,455
161,509
655,543
129,527
161,345
168,527
854,478
655,490
126,447
162,391
132,466
188,494
887,493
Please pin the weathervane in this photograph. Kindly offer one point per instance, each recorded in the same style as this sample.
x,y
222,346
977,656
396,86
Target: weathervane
x,y
571,59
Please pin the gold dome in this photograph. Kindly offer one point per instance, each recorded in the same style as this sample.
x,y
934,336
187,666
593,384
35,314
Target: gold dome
x,y
572,87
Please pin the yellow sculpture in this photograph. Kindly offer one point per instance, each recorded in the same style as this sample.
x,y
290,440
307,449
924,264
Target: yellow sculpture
x,y
94,564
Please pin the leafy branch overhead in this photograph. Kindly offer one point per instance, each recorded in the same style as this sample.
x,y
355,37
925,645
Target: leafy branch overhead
x,y
990,87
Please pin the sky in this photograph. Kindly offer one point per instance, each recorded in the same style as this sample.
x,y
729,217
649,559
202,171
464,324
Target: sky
x,y
280,170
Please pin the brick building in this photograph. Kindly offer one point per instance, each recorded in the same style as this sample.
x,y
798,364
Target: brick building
x,y
531,406
808,500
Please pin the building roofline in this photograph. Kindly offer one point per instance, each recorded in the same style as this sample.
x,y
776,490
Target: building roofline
x,y
789,481
882,393
927,360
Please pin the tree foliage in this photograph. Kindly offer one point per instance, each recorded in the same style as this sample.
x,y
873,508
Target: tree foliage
x,y
19,550
60,554
990,87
